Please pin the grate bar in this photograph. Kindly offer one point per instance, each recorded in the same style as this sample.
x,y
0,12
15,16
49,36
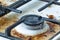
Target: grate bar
x,y
45,6
18,4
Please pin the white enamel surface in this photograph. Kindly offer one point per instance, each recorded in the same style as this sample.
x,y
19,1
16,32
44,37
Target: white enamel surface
x,y
29,8
2,38
23,30
59,1
57,37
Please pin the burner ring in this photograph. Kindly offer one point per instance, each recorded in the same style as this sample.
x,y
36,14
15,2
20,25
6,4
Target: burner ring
x,y
33,20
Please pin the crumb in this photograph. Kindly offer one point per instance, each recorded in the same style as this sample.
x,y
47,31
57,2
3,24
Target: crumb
x,y
51,16
0,2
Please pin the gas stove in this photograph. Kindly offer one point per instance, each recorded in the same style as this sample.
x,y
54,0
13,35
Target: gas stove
x,y
35,7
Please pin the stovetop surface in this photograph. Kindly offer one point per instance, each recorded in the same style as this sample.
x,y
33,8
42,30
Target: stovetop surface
x,y
32,8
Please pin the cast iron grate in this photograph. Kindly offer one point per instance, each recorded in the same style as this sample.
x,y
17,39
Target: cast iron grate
x,y
18,4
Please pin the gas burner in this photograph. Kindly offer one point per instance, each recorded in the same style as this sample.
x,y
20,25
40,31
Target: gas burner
x,y
33,25
33,20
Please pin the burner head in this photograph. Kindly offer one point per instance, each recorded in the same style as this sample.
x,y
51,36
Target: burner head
x,y
33,20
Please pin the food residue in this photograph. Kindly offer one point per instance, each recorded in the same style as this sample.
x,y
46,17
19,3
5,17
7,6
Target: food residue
x,y
51,16
6,22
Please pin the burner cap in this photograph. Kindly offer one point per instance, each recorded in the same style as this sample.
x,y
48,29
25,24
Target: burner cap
x,y
33,20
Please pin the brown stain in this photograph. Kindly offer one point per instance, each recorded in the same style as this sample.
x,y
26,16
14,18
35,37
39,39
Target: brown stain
x,y
51,16
6,22
2,2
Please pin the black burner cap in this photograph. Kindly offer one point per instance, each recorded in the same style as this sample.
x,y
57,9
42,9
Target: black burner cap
x,y
33,20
